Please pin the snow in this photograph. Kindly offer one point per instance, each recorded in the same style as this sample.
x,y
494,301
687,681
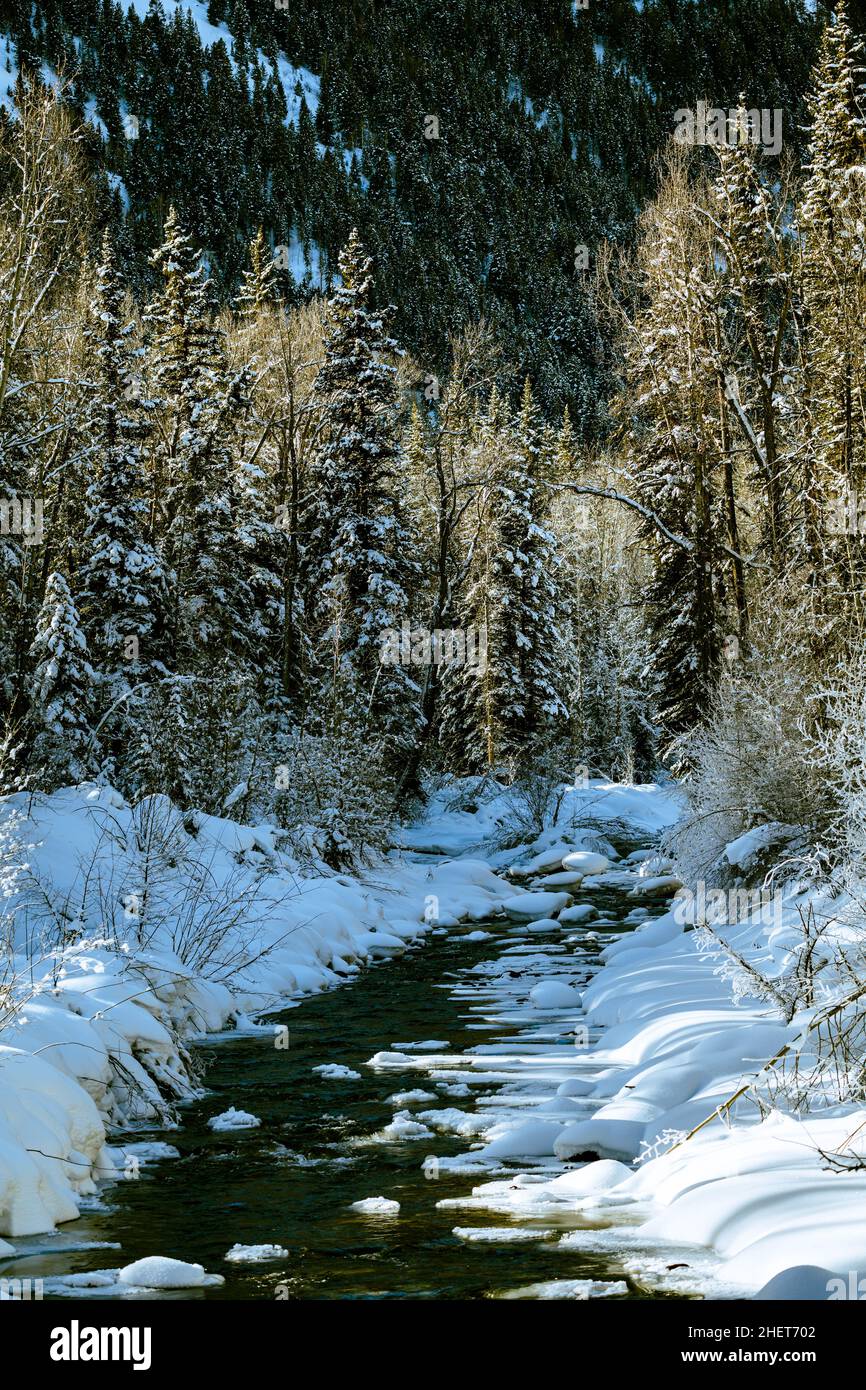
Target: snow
x,y
8,71
533,1139
255,1254
376,1206
232,1119
746,847
403,1126
675,1042
210,34
657,886
553,995
803,1283
110,1006
159,1272
581,912
154,1273
502,1235
582,1289
585,863
542,925
532,905
662,1040
610,1075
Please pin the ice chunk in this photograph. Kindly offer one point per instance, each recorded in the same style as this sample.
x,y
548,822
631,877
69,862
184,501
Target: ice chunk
x,y
233,1119
376,1206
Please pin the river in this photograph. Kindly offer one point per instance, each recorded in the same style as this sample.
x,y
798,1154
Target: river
x,y
291,1181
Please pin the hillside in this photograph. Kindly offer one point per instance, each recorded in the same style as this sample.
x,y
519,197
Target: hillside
x,y
311,119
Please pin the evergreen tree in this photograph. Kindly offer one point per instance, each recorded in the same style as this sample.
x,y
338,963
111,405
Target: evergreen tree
x,y
500,708
123,589
361,553
669,413
61,742
195,495
259,285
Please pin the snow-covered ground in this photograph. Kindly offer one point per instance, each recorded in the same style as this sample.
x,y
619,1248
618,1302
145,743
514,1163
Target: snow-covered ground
x,y
137,931
679,1188
620,1128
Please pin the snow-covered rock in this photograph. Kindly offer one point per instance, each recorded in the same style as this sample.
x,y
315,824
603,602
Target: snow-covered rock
x,y
658,886
376,1206
530,906
232,1119
551,994
580,912
160,1272
585,862
255,1254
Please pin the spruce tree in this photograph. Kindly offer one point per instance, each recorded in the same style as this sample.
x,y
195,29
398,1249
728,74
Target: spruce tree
x,y
668,412
195,490
259,285
61,743
509,701
361,553
123,590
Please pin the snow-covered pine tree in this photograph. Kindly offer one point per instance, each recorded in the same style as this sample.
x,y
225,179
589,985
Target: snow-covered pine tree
x,y
61,744
259,284
544,657
360,551
12,551
122,587
501,707
668,412
192,466
261,555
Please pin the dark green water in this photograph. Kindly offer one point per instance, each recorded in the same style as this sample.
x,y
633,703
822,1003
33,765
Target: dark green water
x,y
290,1182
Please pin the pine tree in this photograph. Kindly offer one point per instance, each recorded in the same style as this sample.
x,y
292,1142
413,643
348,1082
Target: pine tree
x,y
750,297
361,553
62,748
123,590
259,284
498,709
668,410
195,491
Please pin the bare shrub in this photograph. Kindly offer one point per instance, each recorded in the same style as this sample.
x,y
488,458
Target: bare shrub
x,y
334,797
534,800
753,763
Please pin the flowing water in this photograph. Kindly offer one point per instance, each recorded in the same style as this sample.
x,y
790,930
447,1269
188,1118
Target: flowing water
x,y
290,1182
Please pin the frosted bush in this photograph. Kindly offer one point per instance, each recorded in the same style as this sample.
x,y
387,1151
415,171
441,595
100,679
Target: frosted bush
x,y
332,795
752,764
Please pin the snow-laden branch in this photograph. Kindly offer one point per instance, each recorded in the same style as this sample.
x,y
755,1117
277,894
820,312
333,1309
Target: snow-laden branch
x,y
611,495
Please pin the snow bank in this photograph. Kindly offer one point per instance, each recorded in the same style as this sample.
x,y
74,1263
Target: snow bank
x,y
116,970
680,1036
